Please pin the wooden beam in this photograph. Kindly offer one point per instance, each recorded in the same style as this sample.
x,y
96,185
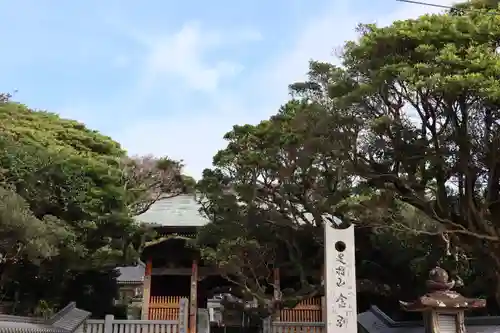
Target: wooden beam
x,y
146,289
202,271
193,302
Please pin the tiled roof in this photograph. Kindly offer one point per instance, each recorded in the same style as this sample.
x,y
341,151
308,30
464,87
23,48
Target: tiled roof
x,y
178,211
65,321
69,318
131,274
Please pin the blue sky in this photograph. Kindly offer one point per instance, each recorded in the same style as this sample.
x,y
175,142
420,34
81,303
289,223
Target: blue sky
x,y
171,77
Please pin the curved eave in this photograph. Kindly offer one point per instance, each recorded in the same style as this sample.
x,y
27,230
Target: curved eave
x,y
166,239
426,303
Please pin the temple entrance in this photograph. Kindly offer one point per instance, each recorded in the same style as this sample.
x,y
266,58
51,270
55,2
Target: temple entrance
x,y
166,293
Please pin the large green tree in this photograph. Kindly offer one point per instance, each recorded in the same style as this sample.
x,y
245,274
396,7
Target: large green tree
x,y
402,139
69,197
270,193
422,98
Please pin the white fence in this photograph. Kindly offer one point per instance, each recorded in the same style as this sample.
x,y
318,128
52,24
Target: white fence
x,y
111,325
289,327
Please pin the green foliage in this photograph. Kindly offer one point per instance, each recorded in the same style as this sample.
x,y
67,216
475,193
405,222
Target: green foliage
x,y
44,129
425,95
44,310
270,193
402,140
68,196
25,236
79,190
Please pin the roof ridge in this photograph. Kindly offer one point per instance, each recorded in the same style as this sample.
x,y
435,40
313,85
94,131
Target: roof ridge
x,y
69,318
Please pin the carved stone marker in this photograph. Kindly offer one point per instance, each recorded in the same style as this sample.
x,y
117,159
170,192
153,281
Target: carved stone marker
x,y
442,308
340,278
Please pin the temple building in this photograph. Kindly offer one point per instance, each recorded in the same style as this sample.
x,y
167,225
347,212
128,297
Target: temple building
x,y
170,271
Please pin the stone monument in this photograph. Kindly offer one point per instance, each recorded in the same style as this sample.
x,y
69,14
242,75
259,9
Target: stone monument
x,y
443,309
340,278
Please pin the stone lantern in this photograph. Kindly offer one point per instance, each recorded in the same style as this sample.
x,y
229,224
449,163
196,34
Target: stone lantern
x,y
442,309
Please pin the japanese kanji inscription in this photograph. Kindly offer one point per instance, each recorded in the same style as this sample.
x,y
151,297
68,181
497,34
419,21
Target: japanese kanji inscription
x,y
340,278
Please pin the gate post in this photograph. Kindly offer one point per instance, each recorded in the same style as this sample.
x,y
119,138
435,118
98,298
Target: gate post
x,y
146,292
266,325
108,323
193,306
183,315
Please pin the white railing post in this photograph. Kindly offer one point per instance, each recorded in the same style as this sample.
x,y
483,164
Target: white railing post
x,y
108,323
183,315
266,325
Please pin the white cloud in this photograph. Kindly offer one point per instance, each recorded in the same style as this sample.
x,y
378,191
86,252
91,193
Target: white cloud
x,y
182,56
196,139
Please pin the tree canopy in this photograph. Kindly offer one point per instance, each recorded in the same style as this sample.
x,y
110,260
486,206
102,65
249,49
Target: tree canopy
x,y
401,139
68,200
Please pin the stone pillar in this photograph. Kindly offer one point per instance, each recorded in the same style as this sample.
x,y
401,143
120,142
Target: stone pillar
x,y
146,291
443,310
340,278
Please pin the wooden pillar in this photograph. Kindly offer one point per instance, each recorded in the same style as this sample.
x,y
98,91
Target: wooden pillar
x,y
146,291
276,290
193,302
